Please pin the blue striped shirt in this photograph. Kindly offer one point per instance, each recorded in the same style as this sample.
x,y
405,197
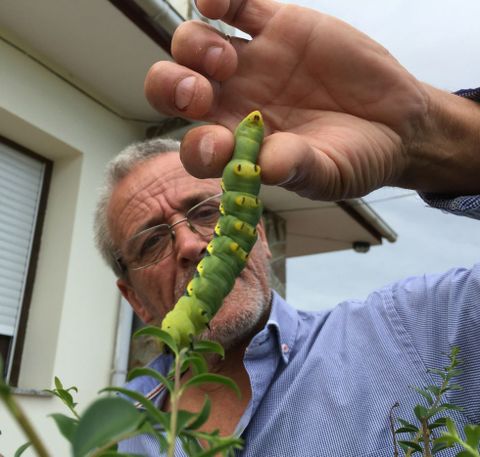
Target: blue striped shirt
x,y
323,383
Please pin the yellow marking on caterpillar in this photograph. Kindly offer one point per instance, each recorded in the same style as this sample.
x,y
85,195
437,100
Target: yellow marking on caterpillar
x,y
246,201
246,170
190,288
242,227
238,251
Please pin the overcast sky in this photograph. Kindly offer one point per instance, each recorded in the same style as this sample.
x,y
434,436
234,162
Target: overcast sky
x,y
438,42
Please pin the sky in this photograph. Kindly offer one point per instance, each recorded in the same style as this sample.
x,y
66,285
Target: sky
x,y
437,41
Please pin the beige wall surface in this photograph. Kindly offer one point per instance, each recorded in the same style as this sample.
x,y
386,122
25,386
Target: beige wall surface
x,y
73,313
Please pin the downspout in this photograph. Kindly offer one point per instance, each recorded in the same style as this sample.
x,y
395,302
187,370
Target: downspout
x,y
161,13
122,344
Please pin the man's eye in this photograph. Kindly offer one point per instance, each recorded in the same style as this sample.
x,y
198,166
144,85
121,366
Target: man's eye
x,y
205,213
151,244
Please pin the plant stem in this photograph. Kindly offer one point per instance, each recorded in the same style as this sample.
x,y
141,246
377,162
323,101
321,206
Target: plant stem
x,y
24,423
419,434
426,438
174,399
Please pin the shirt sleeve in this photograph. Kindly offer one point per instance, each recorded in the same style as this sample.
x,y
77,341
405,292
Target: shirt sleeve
x,y
468,205
441,311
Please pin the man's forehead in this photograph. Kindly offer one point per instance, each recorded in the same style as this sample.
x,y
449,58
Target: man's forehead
x,y
153,189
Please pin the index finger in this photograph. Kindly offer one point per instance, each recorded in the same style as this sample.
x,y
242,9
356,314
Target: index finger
x,y
250,16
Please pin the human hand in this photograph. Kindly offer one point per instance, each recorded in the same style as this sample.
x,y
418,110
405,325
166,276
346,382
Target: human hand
x,y
340,111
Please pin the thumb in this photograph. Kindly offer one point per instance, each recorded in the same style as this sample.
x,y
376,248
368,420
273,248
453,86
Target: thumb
x,y
287,160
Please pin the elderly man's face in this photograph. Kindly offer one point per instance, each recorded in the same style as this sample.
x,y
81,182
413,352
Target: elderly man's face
x,y
161,191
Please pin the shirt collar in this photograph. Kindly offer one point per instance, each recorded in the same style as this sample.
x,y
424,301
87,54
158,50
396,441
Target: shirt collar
x,y
283,323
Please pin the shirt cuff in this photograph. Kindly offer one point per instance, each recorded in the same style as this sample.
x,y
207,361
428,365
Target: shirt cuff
x,y
468,205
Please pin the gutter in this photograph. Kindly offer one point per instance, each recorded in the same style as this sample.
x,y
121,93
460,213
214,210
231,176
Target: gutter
x,y
365,215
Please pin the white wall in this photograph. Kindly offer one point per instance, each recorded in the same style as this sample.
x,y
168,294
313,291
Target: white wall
x,y
72,322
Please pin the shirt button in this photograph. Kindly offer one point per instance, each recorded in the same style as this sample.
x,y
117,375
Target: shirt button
x,y
285,348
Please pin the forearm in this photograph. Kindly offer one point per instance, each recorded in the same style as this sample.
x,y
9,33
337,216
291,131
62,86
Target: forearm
x,y
445,154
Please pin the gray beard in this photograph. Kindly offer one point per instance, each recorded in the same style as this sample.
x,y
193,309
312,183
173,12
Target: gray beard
x,y
255,304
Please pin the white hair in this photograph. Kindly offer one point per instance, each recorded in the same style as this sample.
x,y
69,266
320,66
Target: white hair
x,y
115,171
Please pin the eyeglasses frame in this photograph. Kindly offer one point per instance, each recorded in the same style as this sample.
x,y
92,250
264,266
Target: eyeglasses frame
x,y
123,266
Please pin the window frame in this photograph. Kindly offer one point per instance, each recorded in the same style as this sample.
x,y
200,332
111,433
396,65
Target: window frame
x,y
16,345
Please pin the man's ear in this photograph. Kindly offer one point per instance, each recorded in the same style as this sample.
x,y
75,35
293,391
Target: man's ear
x,y
130,295
262,238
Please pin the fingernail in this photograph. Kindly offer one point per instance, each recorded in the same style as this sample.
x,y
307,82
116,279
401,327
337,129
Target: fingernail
x,y
212,58
184,92
206,149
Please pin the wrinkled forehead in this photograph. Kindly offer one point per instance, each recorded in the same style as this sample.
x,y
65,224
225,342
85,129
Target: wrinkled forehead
x,y
155,190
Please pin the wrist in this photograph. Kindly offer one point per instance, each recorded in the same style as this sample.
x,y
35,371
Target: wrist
x,y
444,156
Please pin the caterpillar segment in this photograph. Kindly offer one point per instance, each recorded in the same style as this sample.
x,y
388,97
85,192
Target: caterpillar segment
x,y
234,236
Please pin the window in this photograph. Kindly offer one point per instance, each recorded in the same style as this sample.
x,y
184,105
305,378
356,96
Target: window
x,y
24,181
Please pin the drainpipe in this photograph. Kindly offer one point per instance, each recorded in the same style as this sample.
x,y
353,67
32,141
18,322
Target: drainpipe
x,y
122,344
161,13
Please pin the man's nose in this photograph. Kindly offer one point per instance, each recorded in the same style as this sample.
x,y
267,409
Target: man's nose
x,y
190,246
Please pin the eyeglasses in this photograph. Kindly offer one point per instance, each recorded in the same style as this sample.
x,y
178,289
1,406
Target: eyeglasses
x,y
155,243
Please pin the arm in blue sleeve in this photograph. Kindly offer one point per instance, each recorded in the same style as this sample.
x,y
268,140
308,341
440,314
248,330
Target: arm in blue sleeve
x,y
441,311
468,205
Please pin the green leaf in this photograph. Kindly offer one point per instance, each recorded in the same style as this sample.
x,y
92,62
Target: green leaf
x,y
472,434
407,424
21,449
453,387
420,412
66,425
439,446
145,371
438,372
451,406
406,448
406,430
66,397
228,443
105,421
159,416
148,428
209,346
453,373
190,445
437,391
411,444
164,337
424,394
202,415
447,439
209,377
432,411
184,417
440,422
58,383
197,362
466,453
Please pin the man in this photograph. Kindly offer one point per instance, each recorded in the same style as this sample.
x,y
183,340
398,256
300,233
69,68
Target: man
x,y
343,118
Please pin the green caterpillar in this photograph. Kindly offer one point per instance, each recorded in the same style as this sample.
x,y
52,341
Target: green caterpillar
x,y
234,237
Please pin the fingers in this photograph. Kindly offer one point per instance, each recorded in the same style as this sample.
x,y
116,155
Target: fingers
x,y
188,88
178,91
202,48
248,15
205,150
285,159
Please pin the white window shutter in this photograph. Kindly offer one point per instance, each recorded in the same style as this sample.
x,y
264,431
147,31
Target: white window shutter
x,y
21,179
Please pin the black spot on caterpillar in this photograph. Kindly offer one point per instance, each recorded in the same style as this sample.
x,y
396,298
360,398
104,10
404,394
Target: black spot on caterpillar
x,y
234,237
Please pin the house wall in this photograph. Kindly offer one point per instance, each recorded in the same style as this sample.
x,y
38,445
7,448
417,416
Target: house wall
x,y
73,313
